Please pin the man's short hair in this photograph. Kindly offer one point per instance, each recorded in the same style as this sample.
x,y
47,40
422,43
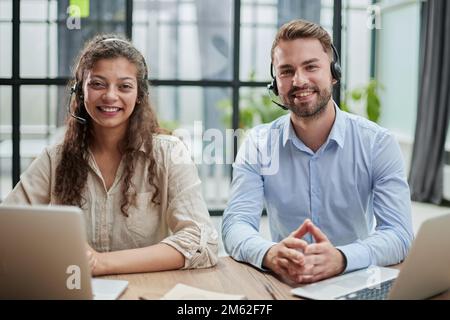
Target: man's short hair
x,y
297,29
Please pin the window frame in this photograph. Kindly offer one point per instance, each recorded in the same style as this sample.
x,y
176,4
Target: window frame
x,y
235,84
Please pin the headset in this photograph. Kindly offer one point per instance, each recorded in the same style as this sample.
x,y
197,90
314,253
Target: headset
x,y
76,87
335,68
73,90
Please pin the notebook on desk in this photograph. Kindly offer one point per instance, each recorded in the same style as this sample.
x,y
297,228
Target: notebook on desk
x,y
424,273
185,292
43,256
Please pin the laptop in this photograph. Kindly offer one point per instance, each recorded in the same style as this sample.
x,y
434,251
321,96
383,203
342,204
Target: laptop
x,y
424,273
43,256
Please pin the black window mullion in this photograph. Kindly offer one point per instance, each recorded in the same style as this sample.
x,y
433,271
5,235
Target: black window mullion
x,y
236,70
129,19
47,93
15,92
337,29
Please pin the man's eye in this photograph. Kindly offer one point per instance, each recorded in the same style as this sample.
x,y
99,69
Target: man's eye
x,y
311,67
285,72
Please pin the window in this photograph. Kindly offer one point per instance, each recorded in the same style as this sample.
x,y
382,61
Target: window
x,y
355,57
38,110
398,71
5,38
208,61
398,67
5,141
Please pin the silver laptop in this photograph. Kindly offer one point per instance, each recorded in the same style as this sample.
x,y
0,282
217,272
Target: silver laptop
x,y
43,256
424,273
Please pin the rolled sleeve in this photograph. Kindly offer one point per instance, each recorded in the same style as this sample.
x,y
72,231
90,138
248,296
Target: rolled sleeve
x,y
34,186
193,233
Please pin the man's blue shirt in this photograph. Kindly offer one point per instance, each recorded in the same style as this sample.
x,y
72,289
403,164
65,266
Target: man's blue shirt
x,y
353,188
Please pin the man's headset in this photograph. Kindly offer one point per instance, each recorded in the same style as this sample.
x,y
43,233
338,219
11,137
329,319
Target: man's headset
x,y
75,88
335,68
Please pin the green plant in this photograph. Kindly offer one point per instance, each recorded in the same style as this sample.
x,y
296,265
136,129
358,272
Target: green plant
x,y
368,95
254,108
169,125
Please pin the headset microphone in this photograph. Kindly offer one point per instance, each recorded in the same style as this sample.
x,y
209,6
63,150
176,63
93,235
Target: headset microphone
x,y
72,91
270,88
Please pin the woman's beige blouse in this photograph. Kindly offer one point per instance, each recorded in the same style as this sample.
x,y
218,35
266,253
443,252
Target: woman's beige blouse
x,y
181,220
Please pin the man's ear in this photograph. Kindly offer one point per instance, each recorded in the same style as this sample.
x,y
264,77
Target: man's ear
x,y
334,81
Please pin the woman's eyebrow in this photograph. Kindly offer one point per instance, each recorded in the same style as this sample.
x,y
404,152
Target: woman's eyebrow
x,y
127,78
104,78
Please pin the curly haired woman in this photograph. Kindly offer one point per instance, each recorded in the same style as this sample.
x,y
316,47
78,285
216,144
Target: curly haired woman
x,y
138,188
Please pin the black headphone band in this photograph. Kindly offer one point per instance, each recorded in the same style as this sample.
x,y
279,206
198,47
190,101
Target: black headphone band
x,y
75,87
336,58
128,43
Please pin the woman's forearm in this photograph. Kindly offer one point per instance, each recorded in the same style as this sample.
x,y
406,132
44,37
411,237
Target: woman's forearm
x,y
158,257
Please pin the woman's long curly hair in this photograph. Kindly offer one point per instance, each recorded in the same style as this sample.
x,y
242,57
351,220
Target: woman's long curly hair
x,y
72,170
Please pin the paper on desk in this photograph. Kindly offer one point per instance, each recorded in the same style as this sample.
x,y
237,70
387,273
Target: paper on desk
x,y
185,292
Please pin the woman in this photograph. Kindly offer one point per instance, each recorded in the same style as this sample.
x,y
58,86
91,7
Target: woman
x,y
138,188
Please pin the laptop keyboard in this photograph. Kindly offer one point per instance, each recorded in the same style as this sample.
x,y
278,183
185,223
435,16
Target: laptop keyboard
x,y
378,292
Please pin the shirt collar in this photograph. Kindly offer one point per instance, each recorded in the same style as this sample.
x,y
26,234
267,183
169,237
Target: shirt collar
x,y
287,129
337,131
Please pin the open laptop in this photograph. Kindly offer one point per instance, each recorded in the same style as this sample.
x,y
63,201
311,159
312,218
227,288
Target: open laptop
x,y
424,273
43,256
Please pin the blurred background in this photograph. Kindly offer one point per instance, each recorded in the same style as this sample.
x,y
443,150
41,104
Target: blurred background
x,y
209,66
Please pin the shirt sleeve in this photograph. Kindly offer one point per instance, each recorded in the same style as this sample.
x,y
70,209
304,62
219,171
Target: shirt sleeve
x,y
34,186
393,235
241,219
187,216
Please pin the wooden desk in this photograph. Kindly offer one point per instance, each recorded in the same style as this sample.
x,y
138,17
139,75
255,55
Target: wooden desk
x,y
228,276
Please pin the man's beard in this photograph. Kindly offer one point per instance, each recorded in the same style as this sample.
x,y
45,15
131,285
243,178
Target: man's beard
x,y
309,109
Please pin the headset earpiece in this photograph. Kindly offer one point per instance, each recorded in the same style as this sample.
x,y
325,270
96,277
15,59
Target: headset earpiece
x,y
74,88
335,65
273,86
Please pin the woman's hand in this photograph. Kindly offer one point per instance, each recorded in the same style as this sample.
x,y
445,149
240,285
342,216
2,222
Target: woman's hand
x,y
93,257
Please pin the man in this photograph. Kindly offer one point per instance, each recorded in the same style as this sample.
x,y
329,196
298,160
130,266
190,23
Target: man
x,y
334,186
